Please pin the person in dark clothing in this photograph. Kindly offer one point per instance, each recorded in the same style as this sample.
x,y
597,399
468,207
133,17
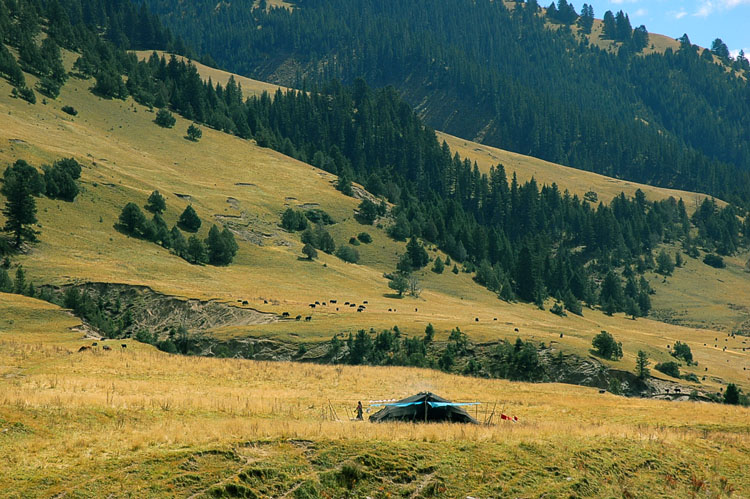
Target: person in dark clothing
x,y
359,411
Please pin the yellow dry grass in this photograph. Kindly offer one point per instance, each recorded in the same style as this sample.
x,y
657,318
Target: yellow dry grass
x,y
135,421
126,156
576,181
249,86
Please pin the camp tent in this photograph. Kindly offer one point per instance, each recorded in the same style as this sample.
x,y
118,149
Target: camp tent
x,y
423,407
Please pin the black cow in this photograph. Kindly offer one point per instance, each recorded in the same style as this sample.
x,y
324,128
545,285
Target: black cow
x,y
298,318
308,318
285,314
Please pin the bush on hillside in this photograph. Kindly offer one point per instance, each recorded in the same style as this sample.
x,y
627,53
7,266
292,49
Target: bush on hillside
x,y
714,261
164,119
348,254
669,368
605,345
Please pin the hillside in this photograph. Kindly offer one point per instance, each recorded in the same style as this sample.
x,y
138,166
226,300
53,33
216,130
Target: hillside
x,y
504,75
232,181
525,167
136,421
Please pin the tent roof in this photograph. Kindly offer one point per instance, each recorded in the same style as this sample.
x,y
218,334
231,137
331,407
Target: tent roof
x,y
424,406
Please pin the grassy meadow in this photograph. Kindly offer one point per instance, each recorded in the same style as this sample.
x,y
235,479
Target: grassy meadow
x,y
137,422
126,156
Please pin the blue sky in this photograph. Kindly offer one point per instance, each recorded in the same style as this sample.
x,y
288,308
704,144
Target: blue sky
x,y
702,20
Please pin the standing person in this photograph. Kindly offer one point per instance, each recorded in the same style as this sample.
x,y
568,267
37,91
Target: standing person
x,y
359,411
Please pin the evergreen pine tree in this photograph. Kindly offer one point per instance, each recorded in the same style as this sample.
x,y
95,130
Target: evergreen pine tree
x,y
189,220
156,203
20,206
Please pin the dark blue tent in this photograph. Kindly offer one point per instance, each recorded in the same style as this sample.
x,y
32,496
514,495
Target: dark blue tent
x,y
424,407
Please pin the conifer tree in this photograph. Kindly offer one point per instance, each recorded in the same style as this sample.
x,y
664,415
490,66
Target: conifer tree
x,y
189,220
156,203
20,206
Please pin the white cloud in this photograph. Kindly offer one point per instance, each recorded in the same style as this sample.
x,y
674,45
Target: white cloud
x,y
641,12
678,15
735,53
708,7
705,9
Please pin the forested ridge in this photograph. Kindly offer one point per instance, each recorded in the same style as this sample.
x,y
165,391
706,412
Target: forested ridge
x,y
522,241
480,69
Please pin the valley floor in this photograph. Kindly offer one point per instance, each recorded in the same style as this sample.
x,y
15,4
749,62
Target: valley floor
x,y
135,422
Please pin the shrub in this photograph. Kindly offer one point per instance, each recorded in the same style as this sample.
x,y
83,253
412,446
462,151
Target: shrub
x,y
318,216
70,110
27,94
367,212
164,119
669,368
364,237
348,254
354,241
682,351
606,346
309,251
293,220
438,266
194,133
60,179
714,261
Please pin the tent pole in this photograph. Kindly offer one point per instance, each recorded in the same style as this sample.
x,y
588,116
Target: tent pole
x,y
425,410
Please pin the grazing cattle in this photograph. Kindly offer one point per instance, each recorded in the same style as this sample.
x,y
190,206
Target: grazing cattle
x,y
312,305
706,369
677,390
516,330
84,348
285,314
352,305
308,318
359,310
94,344
265,302
365,302
416,309
561,335
332,301
602,391
337,309
324,304
298,318
666,390
390,310
346,303
476,319
245,302
106,347
667,346
317,303
494,319
123,345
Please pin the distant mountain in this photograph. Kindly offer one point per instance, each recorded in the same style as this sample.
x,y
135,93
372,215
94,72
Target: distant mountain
x,y
509,75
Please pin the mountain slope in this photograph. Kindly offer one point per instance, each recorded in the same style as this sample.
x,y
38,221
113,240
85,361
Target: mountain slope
x,y
126,156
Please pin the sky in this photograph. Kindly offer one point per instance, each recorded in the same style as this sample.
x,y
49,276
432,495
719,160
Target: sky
x,y
702,20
